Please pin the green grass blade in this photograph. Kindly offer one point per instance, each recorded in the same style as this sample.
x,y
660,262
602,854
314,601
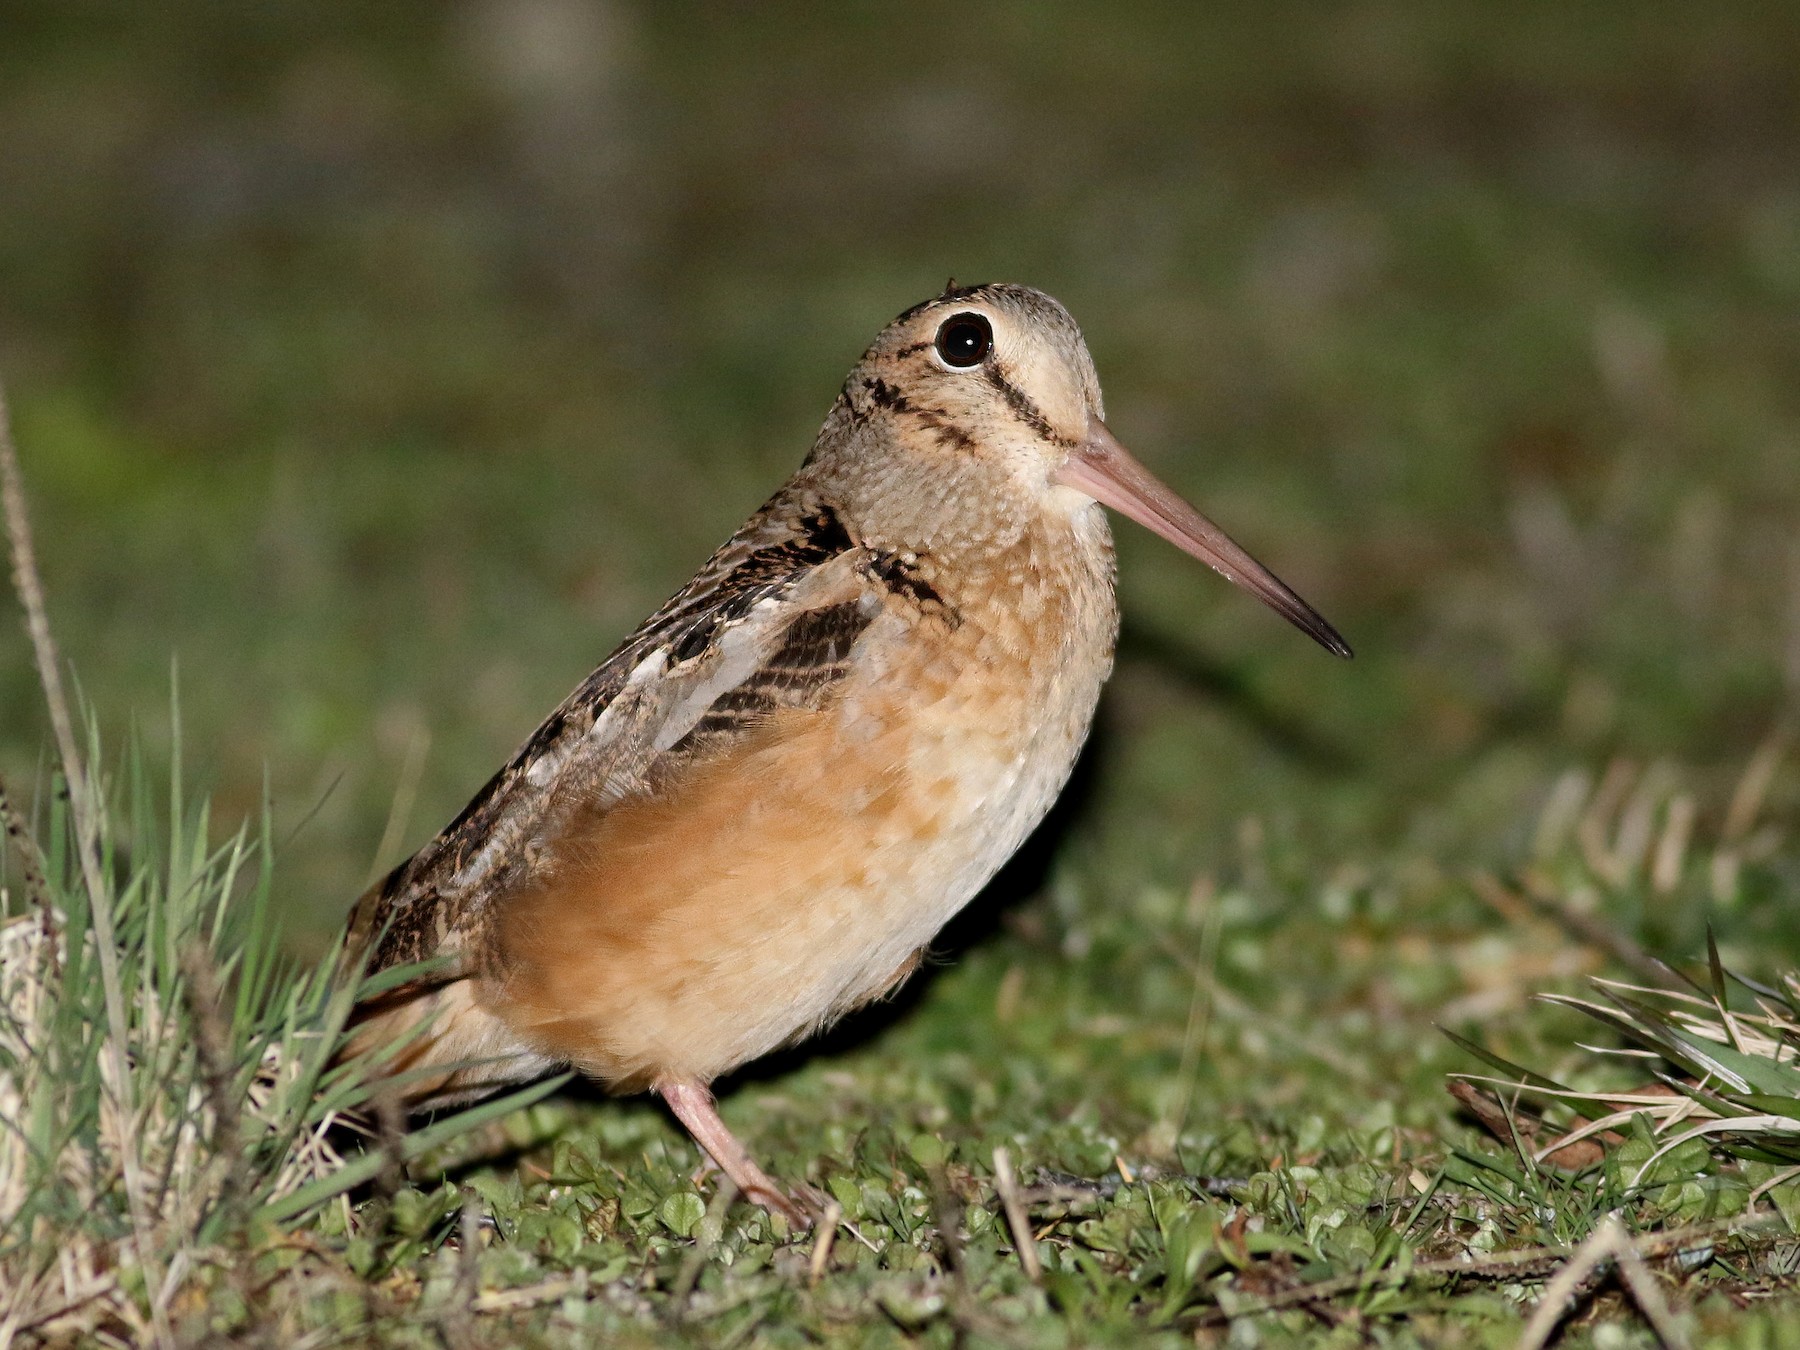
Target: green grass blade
x,y
411,1146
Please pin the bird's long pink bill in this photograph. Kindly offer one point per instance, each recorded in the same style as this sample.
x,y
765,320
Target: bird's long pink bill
x,y
1106,471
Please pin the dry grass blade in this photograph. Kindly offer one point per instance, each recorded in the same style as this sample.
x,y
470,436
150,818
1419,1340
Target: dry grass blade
x,y
165,1098
1738,1083
86,811
406,793
1724,1050
1016,1220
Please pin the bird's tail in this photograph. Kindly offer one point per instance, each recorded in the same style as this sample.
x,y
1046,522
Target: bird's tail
x,y
434,1045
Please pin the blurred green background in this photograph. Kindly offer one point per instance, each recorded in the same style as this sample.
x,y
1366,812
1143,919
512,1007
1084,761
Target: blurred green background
x,y
382,365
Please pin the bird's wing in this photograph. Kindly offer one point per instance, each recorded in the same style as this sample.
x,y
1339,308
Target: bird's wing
x,y
767,624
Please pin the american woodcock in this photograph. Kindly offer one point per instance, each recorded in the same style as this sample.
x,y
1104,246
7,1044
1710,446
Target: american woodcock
x,y
758,812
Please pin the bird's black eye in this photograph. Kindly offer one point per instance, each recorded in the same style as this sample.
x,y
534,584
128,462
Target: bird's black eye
x,y
965,340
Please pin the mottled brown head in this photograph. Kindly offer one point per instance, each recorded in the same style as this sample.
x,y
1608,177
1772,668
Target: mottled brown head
x,y
1007,360
976,416
966,403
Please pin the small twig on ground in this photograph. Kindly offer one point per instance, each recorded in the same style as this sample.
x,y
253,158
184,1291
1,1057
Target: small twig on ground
x,y
1052,1187
859,1235
468,1256
1527,1263
531,1295
42,1318
1648,1295
1607,1245
824,1236
1567,1284
85,809
1008,1187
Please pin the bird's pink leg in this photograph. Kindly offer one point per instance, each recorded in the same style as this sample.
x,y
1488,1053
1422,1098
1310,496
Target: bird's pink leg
x,y
693,1106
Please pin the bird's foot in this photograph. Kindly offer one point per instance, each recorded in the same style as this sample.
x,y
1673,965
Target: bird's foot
x,y
802,1209
693,1106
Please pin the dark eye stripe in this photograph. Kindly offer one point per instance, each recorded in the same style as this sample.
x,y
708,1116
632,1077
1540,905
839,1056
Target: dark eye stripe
x,y
1022,407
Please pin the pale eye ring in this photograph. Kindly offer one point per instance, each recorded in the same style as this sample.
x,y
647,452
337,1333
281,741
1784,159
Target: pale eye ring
x,y
964,340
